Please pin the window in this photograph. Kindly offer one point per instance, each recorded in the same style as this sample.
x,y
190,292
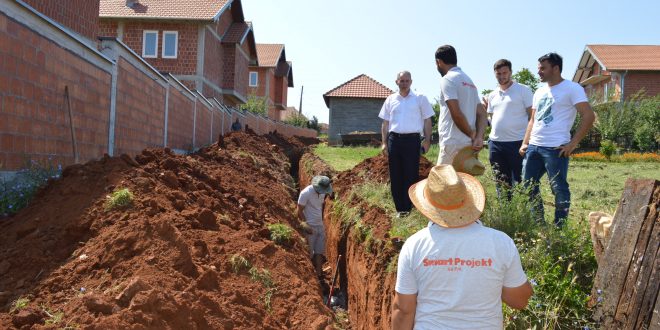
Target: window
x,y
149,44
254,79
170,44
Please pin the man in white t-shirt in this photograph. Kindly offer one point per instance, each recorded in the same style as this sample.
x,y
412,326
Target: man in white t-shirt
x,y
510,106
462,120
548,143
406,115
445,279
310,214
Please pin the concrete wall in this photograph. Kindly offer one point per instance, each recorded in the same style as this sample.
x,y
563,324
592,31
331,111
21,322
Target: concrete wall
x,y
353,114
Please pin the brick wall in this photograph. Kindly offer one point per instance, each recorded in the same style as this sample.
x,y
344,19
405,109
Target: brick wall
x,y
108,28
186,61
636,80
140,111
203,125
81,16
34,121
353,114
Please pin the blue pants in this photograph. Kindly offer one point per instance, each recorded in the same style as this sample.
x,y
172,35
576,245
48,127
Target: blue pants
x,y
506,162
539,160
403,157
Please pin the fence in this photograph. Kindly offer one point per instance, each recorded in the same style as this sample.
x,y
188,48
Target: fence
x,y
68,99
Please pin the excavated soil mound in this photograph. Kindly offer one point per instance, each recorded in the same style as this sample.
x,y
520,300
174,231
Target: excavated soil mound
x,y
165,262
376,169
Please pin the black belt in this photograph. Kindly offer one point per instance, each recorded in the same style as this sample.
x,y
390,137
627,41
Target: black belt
x,y
403,135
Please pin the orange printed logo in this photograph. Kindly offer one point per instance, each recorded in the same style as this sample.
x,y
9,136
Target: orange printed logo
x,y
470,263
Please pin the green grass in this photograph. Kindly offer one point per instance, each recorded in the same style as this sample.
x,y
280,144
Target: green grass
x,y
280,233
239,263
120,198
344,158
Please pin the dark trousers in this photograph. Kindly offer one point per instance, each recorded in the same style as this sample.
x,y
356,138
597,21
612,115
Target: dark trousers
x,y
403,156
506,162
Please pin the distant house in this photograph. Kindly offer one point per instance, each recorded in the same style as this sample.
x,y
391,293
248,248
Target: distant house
x,y
619,71
271,78
354,106
206,44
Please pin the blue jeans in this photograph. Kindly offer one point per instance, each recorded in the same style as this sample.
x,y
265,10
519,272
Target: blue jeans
x,y
538,161
506,162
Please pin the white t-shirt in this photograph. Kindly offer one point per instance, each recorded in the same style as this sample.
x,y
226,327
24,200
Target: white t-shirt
x,y
458,275
509,109
406,114
313,203
555,113
456,85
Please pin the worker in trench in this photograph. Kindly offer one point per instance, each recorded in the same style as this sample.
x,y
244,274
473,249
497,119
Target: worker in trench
x,y
455,273
310,214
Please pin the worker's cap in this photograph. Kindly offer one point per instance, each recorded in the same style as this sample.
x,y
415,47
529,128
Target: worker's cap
x,y
322,184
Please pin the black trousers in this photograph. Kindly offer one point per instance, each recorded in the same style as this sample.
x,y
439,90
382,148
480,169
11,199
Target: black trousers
x,y
403,156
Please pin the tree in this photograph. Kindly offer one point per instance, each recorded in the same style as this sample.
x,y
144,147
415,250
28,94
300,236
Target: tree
x,y
526,77
256,105
314,124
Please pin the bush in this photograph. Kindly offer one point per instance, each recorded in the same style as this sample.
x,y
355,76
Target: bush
x,y
607,148
647,128
297,120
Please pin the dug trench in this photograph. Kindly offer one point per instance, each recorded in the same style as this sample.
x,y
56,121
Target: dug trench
x,y
358,230
192,250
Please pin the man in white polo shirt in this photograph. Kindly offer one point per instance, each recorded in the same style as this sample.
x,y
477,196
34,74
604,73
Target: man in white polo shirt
x,y
462,119
510,106
455,273
405,116
548,142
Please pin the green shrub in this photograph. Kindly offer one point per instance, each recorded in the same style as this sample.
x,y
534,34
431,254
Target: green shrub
x,y
647,131
119,199
280,233
511,216
607,148
19,304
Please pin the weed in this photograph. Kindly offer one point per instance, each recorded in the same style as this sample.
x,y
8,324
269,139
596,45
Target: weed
x,y
119,199
19,304
239,263
54,318
268,295
16,193
404,227
280,233
393,264
341,319
263,276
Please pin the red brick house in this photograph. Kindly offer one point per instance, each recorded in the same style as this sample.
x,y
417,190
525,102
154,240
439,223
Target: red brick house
x,y
206,44
271,78
619,71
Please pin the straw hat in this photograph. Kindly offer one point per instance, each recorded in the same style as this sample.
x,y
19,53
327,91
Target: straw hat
x,y
322,184
467,161
449,198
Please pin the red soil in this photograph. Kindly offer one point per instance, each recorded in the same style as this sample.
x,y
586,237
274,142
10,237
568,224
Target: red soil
x,y
163,263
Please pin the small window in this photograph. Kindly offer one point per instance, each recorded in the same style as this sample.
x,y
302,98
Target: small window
x,y
170,44
254,79
150,44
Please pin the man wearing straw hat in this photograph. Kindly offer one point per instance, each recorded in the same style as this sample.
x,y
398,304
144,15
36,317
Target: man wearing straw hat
x,y
310,214
455,273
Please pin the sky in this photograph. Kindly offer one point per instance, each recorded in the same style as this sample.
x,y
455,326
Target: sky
x,y
331,42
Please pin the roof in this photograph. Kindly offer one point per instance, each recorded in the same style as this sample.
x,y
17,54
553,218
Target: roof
x,y
236,32
269,54
618,58
205,10
361,86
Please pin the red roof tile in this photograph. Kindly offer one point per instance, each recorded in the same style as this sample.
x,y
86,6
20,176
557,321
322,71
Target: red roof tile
x,y
269,54
361,86
627,57
163,9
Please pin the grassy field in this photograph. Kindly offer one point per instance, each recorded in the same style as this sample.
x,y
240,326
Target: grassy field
x,y
559,263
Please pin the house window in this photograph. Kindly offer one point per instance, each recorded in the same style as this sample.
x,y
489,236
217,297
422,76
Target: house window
x,y
254,79
170,44
150,44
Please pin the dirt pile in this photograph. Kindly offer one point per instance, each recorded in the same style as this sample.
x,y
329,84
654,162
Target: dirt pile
x,y
376,169
173,259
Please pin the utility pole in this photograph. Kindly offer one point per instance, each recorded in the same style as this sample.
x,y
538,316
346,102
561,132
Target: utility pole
x,y
301,94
